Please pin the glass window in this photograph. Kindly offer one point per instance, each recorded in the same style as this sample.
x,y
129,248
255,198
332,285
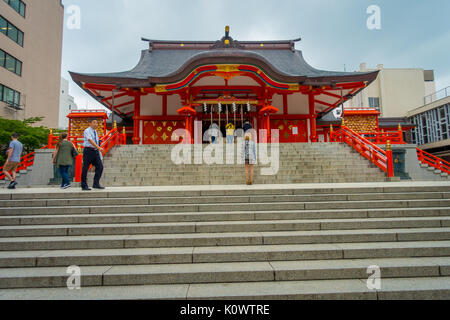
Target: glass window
x,y
15,4
20,38
12,32
3,25
10,63
2,58
19,68
18,5
22,9
16,98
1,92
8,95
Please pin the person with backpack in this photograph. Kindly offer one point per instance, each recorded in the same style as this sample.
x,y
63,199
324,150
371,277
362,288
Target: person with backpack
x,y
63,157
14,153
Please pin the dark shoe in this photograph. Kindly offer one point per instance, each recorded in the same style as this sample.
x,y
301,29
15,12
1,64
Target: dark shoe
x,y
86,189
99,187
11,187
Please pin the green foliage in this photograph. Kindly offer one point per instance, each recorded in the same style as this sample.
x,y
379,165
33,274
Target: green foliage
x,y
31,137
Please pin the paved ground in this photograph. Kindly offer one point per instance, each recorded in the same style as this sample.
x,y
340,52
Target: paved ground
x,y
307,186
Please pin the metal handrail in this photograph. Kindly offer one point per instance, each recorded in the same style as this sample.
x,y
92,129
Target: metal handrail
x,y
434,96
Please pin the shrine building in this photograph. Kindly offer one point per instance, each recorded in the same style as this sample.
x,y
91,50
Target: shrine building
x,y
267,82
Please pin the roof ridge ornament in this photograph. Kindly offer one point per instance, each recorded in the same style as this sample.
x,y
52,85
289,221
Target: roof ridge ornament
x,y
227,42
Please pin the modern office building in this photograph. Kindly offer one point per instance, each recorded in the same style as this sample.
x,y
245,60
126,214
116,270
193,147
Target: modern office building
x,y
30,59
432,120
396,91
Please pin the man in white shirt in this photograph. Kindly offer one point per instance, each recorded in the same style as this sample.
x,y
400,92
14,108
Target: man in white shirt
x,y
92,156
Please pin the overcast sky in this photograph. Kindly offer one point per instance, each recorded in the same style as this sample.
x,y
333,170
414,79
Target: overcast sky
x,y
414,33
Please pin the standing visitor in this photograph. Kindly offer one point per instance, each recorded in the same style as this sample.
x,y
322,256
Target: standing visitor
x,y
92,156
63,157
12,162
248,152
230,133
214,130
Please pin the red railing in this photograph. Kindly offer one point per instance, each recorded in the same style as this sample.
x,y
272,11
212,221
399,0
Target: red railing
x,y
28,160
433,161
110,140
379,157
394,137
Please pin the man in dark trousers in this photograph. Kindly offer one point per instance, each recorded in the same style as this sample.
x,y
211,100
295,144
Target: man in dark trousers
x,y
92,156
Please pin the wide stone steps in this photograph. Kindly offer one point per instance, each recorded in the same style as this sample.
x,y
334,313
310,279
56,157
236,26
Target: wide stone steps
x,y
225,239
226,272
298,163
270,242
355,289
220,254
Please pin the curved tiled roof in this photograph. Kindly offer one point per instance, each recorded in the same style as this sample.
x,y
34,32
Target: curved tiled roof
x,y
167,62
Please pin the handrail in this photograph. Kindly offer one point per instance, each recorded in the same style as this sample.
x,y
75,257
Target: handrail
x,y
394,137
433,161
379,157
435,96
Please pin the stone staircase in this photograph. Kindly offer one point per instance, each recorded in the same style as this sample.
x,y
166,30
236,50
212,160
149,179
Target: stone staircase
x,y
23,178
299,163
438,174
228,242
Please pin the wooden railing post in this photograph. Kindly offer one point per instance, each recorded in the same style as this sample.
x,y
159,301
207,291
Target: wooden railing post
x,y
50,139
78,165
390,159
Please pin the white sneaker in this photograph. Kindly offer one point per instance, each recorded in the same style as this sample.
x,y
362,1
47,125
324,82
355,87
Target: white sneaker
x,y
67,186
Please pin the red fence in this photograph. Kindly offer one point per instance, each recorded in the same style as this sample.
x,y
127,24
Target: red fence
x,y
433,161
382,159
394,137
110,140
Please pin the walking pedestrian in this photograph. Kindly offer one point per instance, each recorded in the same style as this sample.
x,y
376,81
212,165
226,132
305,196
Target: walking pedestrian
x,y
63,157
92,156
14,153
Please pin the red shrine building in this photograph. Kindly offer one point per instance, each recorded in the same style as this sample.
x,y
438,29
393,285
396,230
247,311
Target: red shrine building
x,y
267,82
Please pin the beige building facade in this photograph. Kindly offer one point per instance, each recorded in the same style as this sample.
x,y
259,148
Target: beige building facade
x,y
396,91
31,34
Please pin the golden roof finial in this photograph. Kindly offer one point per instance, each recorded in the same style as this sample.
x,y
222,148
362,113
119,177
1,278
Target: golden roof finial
x,y
331,127
123,130
115,124
400,127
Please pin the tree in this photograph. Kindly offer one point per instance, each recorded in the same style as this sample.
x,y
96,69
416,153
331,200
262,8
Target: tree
x,y
32,138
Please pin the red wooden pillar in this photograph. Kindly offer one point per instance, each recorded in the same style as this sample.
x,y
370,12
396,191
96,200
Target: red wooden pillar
x,y
285,104
137,119
313,118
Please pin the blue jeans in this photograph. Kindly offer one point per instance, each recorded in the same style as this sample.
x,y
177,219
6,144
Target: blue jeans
x,y
64,171
230,139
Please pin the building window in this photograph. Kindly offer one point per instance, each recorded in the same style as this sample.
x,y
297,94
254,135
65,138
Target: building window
x,y
374,103
9,62
432,126
11,31
10,96
18,5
